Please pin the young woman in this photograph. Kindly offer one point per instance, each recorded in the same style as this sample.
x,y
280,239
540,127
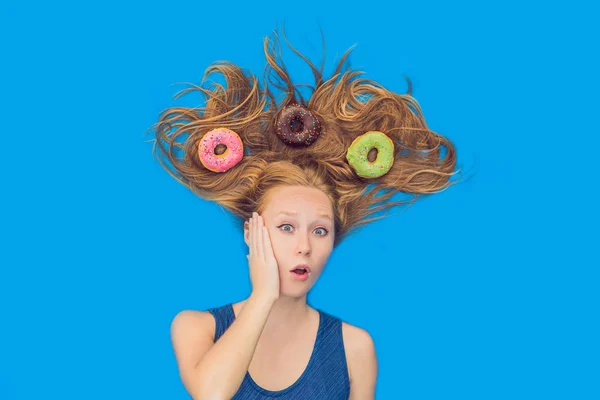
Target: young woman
x,y
297,174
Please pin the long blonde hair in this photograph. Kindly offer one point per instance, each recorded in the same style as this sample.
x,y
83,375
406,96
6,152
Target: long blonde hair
x,y
347,107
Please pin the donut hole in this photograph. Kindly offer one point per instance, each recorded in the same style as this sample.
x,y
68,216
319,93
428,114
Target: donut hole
x,y
220,149
372,156
296,124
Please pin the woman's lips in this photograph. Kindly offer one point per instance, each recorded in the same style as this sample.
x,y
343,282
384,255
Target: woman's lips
x,y
304,266
300,277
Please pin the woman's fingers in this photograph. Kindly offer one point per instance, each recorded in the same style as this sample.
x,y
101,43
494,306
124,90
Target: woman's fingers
x,y
267,242
251,237
259,238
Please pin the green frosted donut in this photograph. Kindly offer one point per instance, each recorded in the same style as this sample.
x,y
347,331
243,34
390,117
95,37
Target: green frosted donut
x,y
359,149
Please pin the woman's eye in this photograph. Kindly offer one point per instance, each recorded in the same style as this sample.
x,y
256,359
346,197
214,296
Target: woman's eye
x,y
318,229
286,225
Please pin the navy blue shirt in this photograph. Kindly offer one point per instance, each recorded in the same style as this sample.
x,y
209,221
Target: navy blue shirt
x,y
325,377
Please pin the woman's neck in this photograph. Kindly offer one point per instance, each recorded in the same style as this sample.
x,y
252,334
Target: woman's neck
x,y
287,315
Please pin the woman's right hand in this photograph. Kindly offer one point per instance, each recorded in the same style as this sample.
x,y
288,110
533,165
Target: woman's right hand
x,y
264,271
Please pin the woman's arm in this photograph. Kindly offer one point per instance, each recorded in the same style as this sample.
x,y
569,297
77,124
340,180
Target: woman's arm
x,y
362,362
220,372
215,371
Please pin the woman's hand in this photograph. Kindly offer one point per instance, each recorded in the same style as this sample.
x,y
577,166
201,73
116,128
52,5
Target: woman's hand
x,y
264,272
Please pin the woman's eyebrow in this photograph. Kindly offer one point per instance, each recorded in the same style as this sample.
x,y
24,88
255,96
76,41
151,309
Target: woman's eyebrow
x,y
293,214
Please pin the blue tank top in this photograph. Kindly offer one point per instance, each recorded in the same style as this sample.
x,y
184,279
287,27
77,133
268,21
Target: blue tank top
x,y
325,377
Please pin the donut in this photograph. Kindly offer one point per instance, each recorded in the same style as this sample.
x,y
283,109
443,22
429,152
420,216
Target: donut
x,y
359,149
220,162
297,126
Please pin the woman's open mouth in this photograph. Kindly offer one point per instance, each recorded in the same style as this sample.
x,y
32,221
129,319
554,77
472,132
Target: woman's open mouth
x,y
300,273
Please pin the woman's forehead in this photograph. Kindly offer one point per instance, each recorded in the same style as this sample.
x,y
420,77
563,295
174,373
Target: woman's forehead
x,y
319,214
299,201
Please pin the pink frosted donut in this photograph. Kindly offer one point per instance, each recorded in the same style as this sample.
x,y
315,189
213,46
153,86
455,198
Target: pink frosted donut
x,y
220,162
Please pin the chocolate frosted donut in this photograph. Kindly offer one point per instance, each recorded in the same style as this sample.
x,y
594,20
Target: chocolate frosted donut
x,y
297,126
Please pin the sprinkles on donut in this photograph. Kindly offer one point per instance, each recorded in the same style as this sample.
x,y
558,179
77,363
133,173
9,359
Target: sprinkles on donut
x,y
357,154
214,160
297,126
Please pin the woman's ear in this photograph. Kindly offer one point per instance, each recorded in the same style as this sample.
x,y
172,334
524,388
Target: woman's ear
x,y
246,234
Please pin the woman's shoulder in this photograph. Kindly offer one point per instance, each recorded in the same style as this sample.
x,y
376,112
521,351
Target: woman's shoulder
x,y
196,322
360,350
355,336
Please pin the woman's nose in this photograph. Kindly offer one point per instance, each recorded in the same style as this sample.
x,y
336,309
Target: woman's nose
x,y
303,245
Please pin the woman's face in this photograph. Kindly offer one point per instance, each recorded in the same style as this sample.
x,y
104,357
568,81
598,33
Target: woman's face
x,y
306,237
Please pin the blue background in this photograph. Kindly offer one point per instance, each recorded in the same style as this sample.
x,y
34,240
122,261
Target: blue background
x,y
486,291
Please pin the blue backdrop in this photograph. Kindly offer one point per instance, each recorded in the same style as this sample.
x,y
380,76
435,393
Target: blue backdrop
x,y
486,291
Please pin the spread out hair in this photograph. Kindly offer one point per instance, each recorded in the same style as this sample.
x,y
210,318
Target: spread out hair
x,y
351,134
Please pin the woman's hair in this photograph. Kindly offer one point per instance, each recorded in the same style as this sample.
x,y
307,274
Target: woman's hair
x,y
347,106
